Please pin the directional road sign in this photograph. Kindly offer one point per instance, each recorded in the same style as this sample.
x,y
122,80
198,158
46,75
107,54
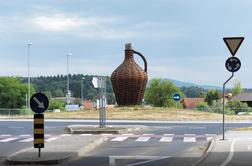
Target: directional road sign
x,y
233,43
233,64
39,103
176,97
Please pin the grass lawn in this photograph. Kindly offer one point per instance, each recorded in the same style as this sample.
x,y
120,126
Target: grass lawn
x,y
140,113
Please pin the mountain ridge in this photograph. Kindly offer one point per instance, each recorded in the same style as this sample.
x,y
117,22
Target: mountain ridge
x,y
188,84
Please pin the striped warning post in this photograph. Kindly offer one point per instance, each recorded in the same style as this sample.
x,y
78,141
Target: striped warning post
x,y
38,130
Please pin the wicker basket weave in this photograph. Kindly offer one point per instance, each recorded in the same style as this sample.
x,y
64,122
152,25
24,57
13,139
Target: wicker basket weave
x,y
129,79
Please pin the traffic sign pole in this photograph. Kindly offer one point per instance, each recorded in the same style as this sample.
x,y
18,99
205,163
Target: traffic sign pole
x,y
100,83
176,110
223,108
39,104
39,132
176,97
232,64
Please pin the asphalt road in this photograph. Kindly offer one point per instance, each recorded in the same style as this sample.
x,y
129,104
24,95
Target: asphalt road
x,y
143,147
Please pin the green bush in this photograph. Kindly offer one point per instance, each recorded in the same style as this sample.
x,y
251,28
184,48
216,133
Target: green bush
x,y
217,107
56,104
202,106
238,106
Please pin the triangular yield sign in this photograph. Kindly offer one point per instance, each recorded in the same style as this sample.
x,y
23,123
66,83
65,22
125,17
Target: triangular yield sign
x,y
233,43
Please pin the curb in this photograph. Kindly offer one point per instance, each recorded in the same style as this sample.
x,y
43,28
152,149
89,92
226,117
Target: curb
x,y
91,146
207,151
10,161
69,156
70,129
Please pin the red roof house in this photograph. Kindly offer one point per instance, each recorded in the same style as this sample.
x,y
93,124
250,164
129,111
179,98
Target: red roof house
x,y
190,103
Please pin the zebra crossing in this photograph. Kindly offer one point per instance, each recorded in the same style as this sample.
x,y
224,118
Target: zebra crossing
x,y
138,138
24,138
165,138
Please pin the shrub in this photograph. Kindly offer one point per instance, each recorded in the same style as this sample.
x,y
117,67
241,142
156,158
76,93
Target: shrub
x,y
237,106
217,107
202,106
56,104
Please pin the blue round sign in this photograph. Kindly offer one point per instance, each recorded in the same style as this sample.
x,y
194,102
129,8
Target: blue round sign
x,y
39,103
176,97
233,64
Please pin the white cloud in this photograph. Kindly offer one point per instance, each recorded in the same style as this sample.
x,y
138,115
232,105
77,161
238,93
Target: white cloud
x,y
85,27
60,22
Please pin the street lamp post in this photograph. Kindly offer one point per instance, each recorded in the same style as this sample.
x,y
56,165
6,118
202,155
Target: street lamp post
x,y
68,91
29,79
82,82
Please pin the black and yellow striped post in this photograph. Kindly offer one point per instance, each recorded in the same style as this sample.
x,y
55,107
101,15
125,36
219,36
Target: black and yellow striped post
x,y
39,131
39,104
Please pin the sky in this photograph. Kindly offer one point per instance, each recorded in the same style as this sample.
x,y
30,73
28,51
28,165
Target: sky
x,y
181,39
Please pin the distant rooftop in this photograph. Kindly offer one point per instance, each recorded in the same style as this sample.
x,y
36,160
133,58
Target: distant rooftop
x,y
242,97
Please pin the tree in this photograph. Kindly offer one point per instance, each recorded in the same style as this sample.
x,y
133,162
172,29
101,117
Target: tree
x,y
237,88
159,93
13,92
55,86
211,96
58,93
194,91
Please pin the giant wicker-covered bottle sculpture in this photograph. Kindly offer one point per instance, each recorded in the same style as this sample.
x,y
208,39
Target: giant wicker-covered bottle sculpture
x,y
129,79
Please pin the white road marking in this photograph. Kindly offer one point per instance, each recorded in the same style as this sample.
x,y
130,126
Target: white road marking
x,y
25,135
143,139
106,134
129,134
8,139
148,134
26,140
51,139
112,159
230,155
47,135
65,135
86,134
119,139
209,137
167,138
249,147
5,135
189,138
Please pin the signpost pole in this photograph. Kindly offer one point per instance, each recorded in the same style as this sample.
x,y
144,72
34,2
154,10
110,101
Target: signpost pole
x,y
104,101
223,107
232,64
176,110
100,101
39,104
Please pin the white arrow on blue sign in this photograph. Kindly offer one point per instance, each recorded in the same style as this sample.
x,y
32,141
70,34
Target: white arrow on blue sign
x,y
176,97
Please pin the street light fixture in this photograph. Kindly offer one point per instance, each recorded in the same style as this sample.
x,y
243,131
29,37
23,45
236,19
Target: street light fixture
x,y
29,79
68,91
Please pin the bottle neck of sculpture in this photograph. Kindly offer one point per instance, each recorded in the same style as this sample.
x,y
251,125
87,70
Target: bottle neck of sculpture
x,y
129,55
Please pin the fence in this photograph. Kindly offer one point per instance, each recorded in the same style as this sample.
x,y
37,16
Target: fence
x,y
14,111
